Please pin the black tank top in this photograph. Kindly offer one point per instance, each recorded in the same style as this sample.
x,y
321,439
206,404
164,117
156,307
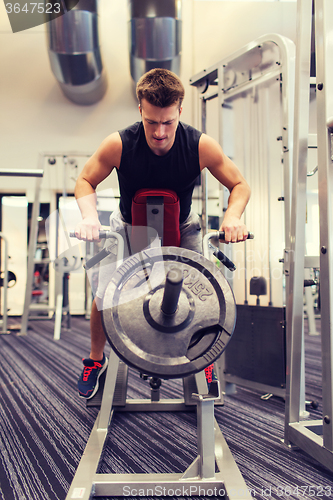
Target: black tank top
x,y
140,168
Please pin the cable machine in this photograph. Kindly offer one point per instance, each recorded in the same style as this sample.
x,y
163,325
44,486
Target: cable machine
x,y
254,92
232,76
4,283
38,175
55,179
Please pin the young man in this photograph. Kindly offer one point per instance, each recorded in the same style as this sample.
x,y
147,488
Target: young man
x,y
158,152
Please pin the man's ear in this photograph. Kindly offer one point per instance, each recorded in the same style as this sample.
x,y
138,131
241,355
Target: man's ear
x,y
140,110
180,110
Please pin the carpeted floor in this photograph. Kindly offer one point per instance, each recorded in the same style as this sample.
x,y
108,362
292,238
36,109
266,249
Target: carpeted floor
x,y
44,426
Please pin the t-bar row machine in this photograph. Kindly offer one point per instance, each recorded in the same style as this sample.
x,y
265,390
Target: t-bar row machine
x,y
168,312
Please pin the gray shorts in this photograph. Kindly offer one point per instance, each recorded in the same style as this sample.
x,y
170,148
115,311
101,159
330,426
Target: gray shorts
x,y
190,238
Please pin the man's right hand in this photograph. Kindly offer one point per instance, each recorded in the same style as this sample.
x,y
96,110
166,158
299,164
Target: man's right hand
x,y
88,229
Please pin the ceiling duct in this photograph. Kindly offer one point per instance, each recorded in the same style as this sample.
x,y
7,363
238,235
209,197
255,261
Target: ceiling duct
x,y
74,52
155,30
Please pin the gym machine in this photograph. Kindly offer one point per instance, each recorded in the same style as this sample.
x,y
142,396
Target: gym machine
x,y
59,171
4,283
253,90
169,313
38,175
315,437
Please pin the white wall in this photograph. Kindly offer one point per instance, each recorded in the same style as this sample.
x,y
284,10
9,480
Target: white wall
x,y
222,27
35,115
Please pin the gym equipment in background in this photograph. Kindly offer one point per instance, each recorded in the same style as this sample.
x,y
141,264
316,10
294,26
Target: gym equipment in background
x,y
38,176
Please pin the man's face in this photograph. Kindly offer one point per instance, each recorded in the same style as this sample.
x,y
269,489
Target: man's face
x,y
160,125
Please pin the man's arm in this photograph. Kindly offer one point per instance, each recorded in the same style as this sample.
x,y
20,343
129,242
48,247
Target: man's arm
x,y
97,168
226,172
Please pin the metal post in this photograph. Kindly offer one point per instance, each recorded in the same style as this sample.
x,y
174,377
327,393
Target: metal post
x,y
172,289
31,256
205,435
324,78
38,174
204,179
314,437
5,284
296,252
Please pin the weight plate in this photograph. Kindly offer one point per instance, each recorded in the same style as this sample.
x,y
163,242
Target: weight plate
x,y
168,346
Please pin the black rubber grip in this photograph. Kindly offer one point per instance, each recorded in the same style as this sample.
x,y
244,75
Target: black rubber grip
x,y
310,282
250,236
224,259
96,259
102,234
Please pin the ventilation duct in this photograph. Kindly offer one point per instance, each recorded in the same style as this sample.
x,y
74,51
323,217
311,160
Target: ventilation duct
x,y
155,28
74,52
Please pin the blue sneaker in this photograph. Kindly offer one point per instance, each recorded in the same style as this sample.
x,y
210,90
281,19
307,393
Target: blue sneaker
x,y
88,381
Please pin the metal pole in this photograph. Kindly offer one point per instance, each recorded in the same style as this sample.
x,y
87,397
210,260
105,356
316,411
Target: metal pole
x,y
245,172
5,284
204,183
172,289
38,174
296,252
324,78
31,255
21,172
266,121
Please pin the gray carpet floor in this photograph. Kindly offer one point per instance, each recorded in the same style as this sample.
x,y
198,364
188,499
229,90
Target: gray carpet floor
x,y
44,426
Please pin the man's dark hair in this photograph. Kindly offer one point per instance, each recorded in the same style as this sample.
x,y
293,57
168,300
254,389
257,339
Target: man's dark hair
x,y
160,87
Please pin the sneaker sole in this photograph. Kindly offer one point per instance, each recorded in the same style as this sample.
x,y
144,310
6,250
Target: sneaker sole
x,y
97,382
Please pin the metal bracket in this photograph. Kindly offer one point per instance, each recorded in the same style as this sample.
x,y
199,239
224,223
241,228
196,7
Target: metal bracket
x,y
286,262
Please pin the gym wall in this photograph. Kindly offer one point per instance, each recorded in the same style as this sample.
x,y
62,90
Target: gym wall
x,y
37,117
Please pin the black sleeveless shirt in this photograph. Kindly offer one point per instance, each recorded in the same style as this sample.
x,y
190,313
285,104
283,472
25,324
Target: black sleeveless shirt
x,y
140,168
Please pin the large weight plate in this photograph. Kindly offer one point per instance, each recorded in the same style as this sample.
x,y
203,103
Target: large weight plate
x,y
168,346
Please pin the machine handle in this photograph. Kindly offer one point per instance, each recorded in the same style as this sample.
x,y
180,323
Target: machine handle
x,y
216,252
96,259
102,234
310,282
100,255
221,235
106,234
224,259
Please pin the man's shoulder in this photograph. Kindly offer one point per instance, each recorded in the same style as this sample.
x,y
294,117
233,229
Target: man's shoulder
x,y
190,134
189,130
131,129
131,138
